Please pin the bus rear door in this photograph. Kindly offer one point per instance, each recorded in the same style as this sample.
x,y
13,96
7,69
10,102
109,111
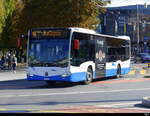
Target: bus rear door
x,y
100,56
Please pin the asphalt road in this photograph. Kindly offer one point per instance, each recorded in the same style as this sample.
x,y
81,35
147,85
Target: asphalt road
x,y
110,95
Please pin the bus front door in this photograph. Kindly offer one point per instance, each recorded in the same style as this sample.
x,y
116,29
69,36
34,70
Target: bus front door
x,y
100,57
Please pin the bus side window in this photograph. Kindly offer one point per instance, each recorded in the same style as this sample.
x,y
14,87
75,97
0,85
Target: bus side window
x,y
81,48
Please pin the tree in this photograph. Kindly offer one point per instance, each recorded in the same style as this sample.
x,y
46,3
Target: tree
x,y
17,16
2,15
7,8
57,13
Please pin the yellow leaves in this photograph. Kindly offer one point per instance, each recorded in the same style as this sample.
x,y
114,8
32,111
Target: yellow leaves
x,y
55,13
2,14
48,13
6,11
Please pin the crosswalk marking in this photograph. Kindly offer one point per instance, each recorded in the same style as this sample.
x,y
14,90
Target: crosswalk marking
x,y
131,72
115,105
142,72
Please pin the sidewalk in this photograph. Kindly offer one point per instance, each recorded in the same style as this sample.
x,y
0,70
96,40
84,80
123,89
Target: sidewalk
x,y
9,75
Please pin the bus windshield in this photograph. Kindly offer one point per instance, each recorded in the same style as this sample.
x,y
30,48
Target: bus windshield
x,y
48,50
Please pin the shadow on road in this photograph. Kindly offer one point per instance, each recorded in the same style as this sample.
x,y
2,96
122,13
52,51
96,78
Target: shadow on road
x,y
76,102
92,101
139,105
24,84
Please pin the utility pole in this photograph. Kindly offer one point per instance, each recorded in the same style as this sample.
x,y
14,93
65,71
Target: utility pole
x,y
138,33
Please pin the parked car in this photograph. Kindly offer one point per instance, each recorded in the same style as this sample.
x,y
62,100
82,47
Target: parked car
x,y
143,57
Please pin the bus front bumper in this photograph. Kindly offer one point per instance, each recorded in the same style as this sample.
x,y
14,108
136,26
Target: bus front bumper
x,y
75,77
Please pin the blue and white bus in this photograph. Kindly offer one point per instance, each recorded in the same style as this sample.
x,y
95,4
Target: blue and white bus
x,y
75,55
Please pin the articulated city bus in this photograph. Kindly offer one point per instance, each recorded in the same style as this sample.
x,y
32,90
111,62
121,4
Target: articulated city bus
x,y
75,55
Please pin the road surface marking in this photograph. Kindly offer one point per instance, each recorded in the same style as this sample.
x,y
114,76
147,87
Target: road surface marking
x,y
139,108
121,81
118,104
143,72
132,72
73,93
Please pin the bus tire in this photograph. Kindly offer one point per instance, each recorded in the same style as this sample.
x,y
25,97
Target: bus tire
x,y
89,76
118,73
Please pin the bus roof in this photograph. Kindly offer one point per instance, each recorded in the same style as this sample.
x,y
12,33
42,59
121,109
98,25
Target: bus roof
x,y
88,31
83,30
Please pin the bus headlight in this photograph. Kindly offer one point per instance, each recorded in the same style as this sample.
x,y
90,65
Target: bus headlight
x,y
28,74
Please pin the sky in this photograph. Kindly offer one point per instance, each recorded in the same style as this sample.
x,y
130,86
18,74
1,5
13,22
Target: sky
x,y
116,3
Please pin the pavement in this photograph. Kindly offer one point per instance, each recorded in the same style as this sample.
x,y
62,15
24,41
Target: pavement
x,y
141,71
9,75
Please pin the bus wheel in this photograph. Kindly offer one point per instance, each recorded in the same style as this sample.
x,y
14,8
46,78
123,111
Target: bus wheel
x,y
118,74
89,76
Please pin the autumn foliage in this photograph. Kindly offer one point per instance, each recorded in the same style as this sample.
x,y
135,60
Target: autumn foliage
x,y
26,14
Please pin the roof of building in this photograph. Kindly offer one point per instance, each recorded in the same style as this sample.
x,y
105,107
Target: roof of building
x,y
141,8
120,3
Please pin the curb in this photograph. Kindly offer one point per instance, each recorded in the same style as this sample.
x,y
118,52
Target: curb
x,y
146,102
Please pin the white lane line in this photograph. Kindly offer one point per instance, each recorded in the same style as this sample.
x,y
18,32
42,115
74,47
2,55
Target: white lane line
x,y
73,93
139,109
118,104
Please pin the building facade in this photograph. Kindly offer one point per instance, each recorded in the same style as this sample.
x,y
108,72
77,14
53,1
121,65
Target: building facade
x,y
133,21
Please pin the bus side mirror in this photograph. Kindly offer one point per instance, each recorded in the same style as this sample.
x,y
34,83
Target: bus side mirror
x,y
76,44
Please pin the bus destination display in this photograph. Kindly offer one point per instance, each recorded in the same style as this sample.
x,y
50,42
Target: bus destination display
x,y
49,33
